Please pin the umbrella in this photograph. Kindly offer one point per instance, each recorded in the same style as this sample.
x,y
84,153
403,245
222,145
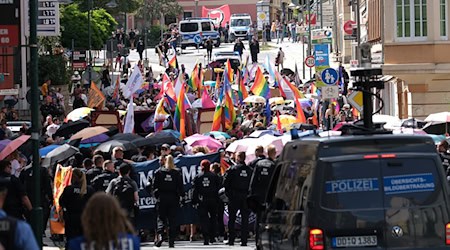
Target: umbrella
x,y
209,83
108,146
45,150
203,140
255,99
89,132
437,128
218,134
13,145
197,104
276,100
78,114
70,128
125,137
304,102
4,143
440,117
248,145
286,120
413,123
96,139
388,120
259,133
59,154
156,139
236,87
409,131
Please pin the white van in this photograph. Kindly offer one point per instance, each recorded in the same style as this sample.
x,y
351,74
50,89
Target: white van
x,y
240,26
203,27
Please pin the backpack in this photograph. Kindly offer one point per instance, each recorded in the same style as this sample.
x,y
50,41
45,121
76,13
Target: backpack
x,y
8,226
124,192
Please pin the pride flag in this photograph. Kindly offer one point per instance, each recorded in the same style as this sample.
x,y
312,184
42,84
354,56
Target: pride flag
x,y
297,95
228,73
160,116
260,86
116,88
271,69
194,80
242,91
180,113
174,62
224,109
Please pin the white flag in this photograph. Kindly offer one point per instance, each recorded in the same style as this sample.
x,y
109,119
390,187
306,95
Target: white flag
x,y
129,119
178,85
134,82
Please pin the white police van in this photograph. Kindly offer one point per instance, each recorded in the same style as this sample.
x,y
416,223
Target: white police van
x,y
240,26
200,27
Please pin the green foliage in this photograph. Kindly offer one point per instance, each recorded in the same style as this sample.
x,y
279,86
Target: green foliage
x,y
74,25
124,6
155,9
53,67
153,35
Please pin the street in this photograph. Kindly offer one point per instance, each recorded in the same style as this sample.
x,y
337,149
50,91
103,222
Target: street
x,y
190,55
187,246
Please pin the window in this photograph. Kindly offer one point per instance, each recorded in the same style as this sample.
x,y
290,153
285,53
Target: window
x,y
187,15
411,18
189,27
206,26
443,18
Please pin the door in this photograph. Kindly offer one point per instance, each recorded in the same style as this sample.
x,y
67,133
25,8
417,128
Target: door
x,y
416,213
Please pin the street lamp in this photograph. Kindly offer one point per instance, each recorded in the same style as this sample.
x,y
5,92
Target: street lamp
x,y
196,8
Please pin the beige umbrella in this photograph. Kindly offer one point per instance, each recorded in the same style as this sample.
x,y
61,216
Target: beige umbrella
x,y
89,132
255,99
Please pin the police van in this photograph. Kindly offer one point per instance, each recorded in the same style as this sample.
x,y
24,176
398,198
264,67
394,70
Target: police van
x,y
193,28
357,192
240,26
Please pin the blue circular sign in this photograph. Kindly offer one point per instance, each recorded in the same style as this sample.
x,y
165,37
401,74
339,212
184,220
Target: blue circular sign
x,y
197,39
329,76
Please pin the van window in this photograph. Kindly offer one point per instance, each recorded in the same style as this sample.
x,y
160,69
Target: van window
x,y
292,186
411,182
352,185
189,27
207,26
240,22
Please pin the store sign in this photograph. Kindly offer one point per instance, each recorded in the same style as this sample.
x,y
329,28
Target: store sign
x,y
79,59
48,18
9,35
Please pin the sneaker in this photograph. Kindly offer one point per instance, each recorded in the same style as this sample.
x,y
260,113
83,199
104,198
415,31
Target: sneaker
x,y
159,243
231,243
206,243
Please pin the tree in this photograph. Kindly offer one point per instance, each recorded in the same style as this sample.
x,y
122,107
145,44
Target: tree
x,y
155,9
74,25
123,6
53,67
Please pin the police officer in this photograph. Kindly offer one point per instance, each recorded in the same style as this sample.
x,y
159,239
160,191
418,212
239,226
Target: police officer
x,y
101,181
96,170
236,183
206,195
168,188
260,182
14,233
259,154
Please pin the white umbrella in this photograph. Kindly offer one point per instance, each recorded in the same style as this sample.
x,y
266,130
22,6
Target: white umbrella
x,y
248,145
440,117
236,87
255,99
391,122
197,104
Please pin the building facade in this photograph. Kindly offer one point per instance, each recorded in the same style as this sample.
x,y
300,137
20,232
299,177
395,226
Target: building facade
x,y
193,8
417,52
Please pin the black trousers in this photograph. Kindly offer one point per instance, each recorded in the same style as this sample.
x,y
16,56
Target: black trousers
x,y
167,212
235,204
220,224
254,57
208,218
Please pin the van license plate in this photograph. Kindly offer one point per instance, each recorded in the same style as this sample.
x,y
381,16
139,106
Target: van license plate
x,y
354,241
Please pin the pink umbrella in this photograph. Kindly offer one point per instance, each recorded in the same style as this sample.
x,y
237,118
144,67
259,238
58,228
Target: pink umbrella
x,y
13,146
248,145
203,140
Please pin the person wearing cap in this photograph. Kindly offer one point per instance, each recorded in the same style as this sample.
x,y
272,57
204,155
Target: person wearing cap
x,y
236,182
346,114
14,233
206,196
165,149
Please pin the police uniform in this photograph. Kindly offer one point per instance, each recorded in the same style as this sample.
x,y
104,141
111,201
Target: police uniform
x,y
168,188
92,173
73,204
252,164
262,173
206,195
101,182
236,183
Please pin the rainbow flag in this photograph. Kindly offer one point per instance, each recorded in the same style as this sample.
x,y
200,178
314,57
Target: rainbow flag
x,y
228,73
194,81
180,113
242,91
297,95
224,109
313,88
116,88
174,62
260,86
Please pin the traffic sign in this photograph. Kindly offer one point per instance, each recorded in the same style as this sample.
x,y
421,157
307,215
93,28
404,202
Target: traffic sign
x,y
197,39
348,27
329,76
310,61
330,92
356,100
